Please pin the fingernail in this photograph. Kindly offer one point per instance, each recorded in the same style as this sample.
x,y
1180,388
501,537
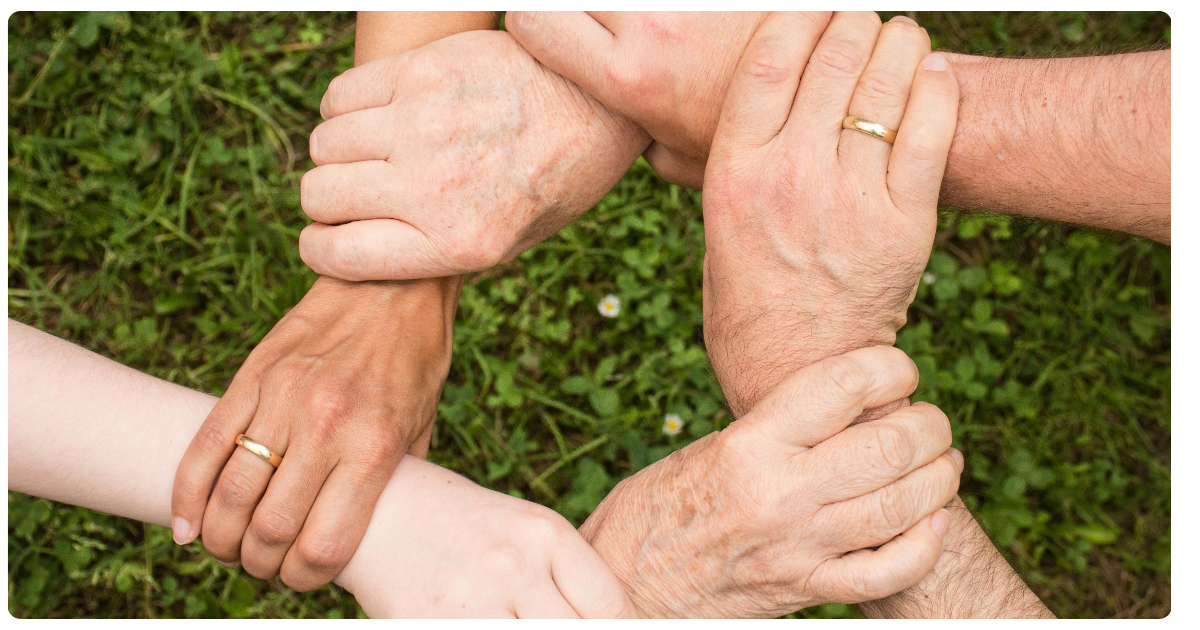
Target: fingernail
x,y
935,62
181,530
940,522
233,565
957,456
905,19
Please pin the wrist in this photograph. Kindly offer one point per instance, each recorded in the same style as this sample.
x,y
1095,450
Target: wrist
x,y
750,361
430,302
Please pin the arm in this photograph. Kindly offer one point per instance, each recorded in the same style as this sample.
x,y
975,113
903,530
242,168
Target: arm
x,y
352,364
382,33
88,431
786,286
862,299
1084,140
971,580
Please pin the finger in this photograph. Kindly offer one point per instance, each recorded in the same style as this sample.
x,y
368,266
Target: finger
x,y
869,456
866,574
377,249
207,455
354,137
372,84
918,159
547,603
676,168
241,485
764,85
571,43
821,399
340,193
830,77
882,93
875,518
876,413
335,524
279,517
587,583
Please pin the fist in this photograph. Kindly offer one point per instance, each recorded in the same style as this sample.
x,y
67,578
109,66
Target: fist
x,y
452,158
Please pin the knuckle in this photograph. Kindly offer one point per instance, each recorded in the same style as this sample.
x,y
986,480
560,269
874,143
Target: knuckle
x,y
924,153
768,61
893,445
506,558
488,246
891,513
878,86
324,552
212,439
838,59
344,252
275,528
329,101
236,489
943,431
846,377
629,79
331,401
662,26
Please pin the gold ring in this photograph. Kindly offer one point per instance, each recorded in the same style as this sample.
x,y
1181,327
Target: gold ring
x,y
258,449
870,128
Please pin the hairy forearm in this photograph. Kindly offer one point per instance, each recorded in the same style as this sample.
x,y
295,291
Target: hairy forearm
x,y
1083,140
971,581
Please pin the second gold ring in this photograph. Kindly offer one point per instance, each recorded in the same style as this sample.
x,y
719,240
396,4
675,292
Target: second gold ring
x,y
263,452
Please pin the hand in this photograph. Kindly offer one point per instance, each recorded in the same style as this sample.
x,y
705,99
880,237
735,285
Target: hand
x,y
817,236
665,71
778,511
342,387
452,158
441,546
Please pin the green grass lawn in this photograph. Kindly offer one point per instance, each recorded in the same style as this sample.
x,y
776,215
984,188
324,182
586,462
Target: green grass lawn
x,y
153,207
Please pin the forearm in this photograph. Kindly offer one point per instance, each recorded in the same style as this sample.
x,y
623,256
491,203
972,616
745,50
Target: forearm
x,y
88,431
382,33
1083,140
379,34
970,581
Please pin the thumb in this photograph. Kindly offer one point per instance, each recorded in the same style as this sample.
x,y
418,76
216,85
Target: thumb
x,y
571,43
918,159
820,400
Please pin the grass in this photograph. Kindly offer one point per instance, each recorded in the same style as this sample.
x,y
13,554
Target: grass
x,y
153,212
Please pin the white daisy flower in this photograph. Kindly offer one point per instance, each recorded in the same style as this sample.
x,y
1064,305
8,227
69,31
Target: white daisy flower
x,y
610,306
672,424
929,277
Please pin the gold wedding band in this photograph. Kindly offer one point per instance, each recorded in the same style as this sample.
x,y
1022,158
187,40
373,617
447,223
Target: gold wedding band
x,y
870,128
258,449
